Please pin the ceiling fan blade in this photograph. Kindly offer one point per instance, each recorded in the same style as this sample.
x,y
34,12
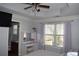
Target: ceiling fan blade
x,y
28,7
43,6
32,3
28,3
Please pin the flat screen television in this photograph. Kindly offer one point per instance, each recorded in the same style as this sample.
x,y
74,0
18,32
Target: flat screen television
x,y
5,19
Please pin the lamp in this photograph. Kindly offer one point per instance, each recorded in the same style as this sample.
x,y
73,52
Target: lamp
x,y
25,36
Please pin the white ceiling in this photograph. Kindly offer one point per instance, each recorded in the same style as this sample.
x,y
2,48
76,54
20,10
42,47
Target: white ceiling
x,y
56,9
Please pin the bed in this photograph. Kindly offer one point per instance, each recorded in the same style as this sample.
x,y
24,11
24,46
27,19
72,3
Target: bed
x,y
44,53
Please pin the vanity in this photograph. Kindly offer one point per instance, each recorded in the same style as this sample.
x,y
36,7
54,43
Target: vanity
x,y
28,43
27,47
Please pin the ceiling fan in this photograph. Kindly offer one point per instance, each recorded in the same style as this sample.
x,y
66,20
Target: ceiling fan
x,y
36,6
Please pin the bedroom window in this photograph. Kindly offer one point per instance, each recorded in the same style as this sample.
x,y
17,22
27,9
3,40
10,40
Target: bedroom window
x,y
49,34
54,34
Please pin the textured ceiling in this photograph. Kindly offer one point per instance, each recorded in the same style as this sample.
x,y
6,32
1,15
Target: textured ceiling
x,y
56,9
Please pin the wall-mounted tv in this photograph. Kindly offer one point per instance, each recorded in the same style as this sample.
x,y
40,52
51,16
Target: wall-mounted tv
x,y
5,19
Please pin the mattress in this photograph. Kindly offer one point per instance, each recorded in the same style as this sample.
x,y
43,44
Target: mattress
x,y
44,53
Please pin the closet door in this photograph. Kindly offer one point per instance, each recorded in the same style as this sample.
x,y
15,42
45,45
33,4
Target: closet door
x,y
4,41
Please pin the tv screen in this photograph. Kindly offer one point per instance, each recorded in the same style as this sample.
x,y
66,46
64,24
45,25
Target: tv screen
x,y
5,19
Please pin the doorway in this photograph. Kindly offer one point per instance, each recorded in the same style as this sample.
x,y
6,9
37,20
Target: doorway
x,y
13,41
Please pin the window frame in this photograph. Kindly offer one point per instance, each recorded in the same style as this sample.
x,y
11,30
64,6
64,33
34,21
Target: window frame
x,y
54,34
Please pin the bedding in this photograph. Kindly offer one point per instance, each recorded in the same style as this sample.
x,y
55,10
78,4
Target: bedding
x,y
44,53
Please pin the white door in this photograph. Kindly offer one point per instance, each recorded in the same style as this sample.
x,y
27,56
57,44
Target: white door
x,y
4,31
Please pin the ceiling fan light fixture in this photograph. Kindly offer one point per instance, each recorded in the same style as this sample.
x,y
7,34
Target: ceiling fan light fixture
x,y
38,10
33,8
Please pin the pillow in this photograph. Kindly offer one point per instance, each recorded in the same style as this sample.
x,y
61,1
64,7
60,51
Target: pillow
x,y
72,53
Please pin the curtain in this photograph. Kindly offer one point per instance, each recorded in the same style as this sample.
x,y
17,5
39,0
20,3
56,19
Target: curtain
x,y
67,38
40,33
